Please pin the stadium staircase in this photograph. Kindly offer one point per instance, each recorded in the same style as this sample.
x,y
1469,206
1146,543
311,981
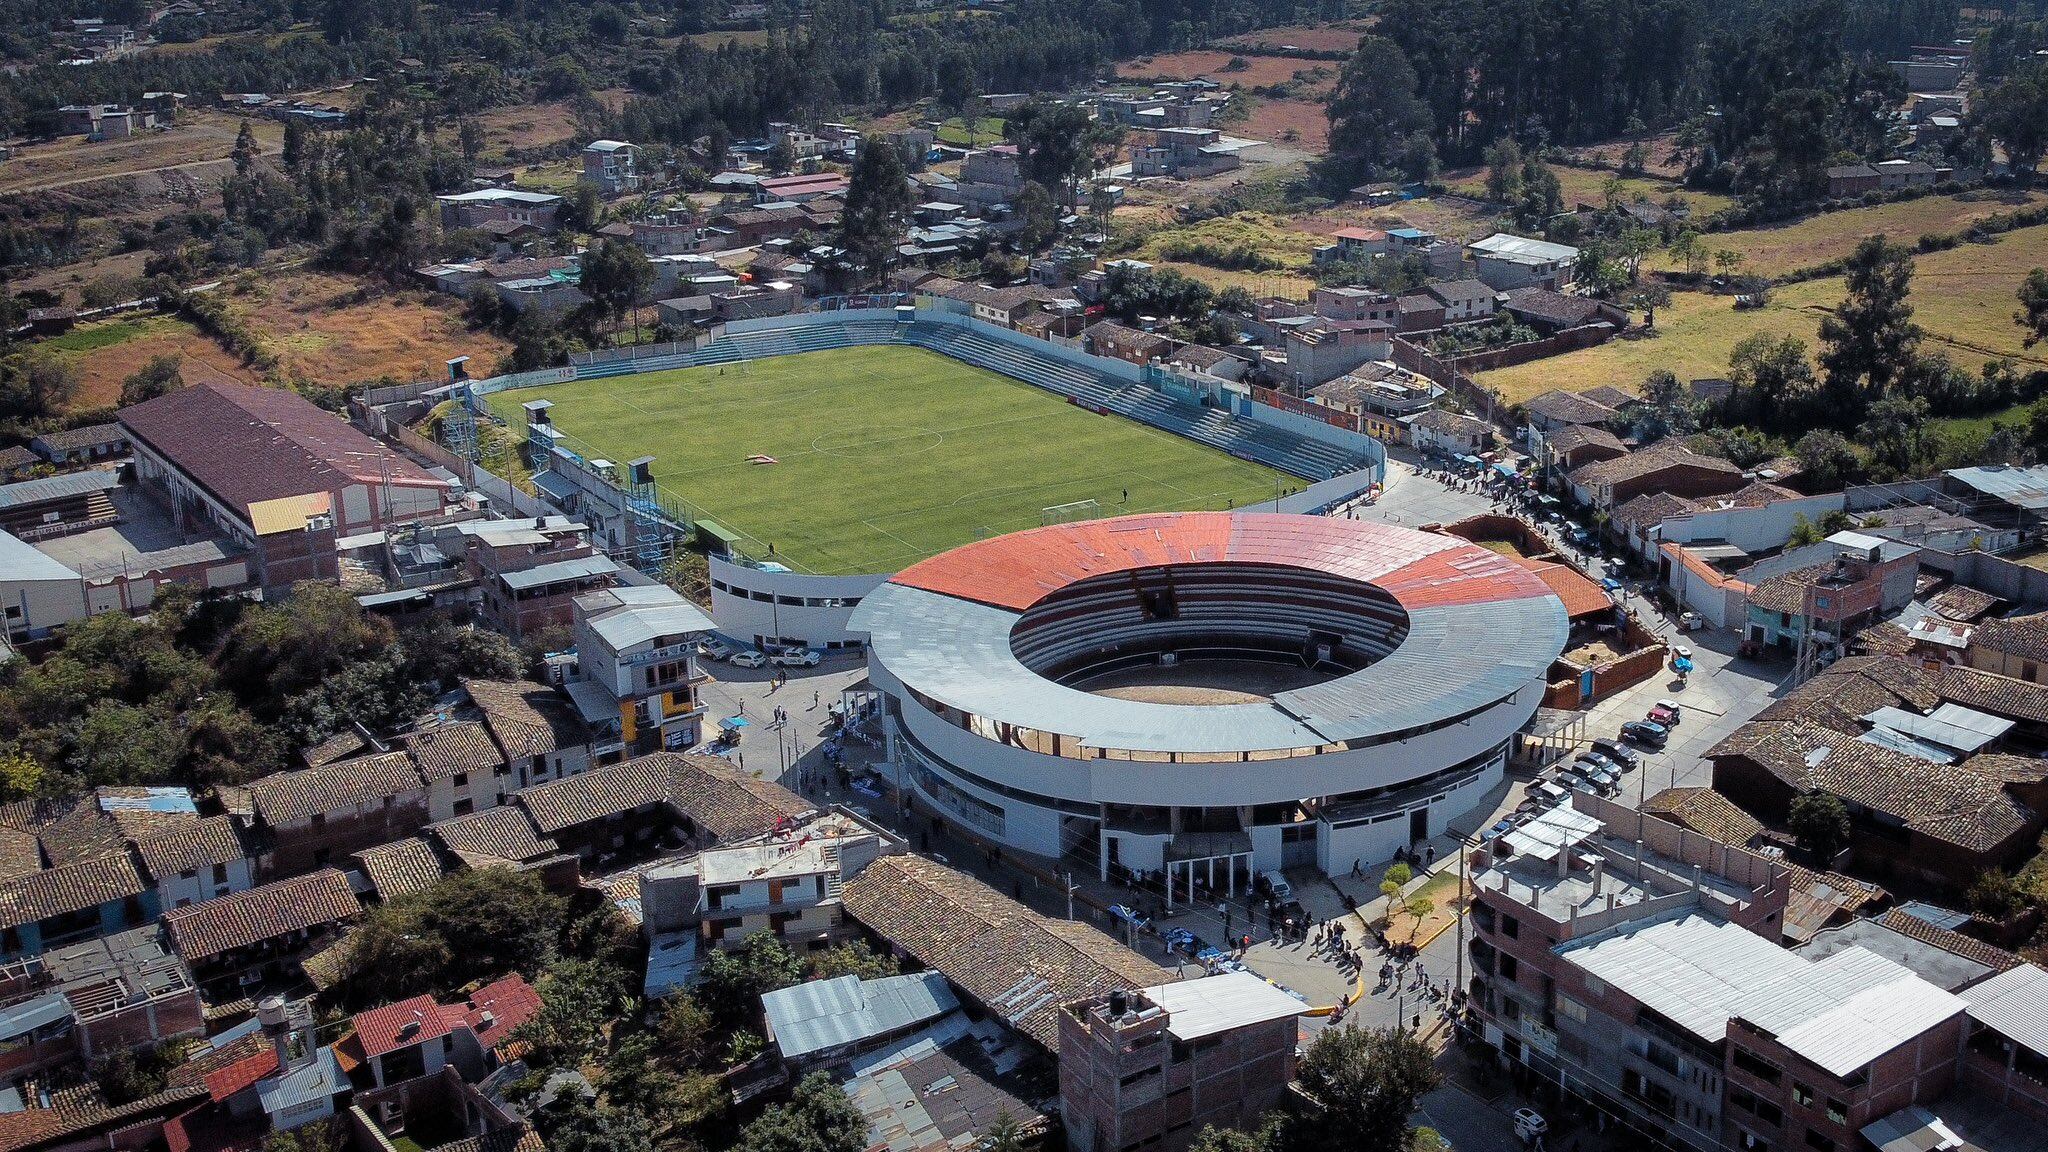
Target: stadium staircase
x,y
1246,439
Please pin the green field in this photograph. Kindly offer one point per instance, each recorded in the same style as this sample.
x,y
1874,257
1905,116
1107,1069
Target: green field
x,y
884,455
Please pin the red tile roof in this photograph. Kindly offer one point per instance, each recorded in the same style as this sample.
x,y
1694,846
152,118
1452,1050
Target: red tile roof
x,y
1419,570
401,1025
202,931
225,1082
246,445
509,1002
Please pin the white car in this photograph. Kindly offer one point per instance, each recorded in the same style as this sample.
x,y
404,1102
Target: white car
x,y
1682,650
751,658
795,658
1530,1124
715,650
1690,622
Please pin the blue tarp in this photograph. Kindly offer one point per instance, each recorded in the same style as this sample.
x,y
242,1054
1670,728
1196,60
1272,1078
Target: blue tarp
x,y
732,722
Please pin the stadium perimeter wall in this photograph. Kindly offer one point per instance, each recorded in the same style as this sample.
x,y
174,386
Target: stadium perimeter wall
x,y
763,606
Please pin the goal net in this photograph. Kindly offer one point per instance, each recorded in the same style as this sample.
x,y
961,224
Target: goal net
x,y
1068,513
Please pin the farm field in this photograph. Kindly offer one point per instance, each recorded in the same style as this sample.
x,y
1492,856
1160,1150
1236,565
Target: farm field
x,y
942,453
1261,70
1342,37
1588,186
1964,298
1775,251
1612,151
1303,124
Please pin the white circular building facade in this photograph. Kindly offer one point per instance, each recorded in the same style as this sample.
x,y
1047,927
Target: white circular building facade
x,y
1209,694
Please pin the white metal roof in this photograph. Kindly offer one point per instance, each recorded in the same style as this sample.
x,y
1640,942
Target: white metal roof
x,y
1951,726
1912,1129
1841,1012
1198,1008
573,569
635,614
20,562
827,1014
1559,828
1522,249
2014,1004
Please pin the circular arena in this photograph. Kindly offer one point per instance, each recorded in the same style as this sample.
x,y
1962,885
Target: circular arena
x,y
1209,695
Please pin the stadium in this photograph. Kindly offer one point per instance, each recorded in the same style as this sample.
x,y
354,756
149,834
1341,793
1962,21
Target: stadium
x,y
828,450
1209,695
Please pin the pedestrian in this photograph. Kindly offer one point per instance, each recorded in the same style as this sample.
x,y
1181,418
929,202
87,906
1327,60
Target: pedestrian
x,y
1430,849
1127,495
814,698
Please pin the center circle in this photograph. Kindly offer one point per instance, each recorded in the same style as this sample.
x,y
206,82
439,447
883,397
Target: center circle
x,y
1207,634
906,442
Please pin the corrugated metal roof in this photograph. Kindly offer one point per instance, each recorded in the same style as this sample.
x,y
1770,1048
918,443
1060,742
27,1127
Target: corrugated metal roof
x,y
2025,488
318,1079
1213,1004
827,1014
1841,1012
29,1015
1951,726
2014,1004
70,484
630,615
1559,828
576,569
22,562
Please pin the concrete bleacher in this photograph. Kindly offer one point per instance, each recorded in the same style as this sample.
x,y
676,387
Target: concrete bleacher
x,y
1277,448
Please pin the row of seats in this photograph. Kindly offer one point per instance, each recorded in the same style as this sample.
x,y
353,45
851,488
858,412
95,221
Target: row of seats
x,y
1247,439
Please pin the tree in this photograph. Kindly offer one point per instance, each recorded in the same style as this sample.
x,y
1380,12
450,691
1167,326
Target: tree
x,y
2014,115
1667,406
1040,216
468,925
1365,1083
854,958
684,1028
1869,341
733,979
1689,250
2033,313
1269,1136
1773,382
818,1118
1379,127
1005,1135
1804,532
1057,143
1542,195
617,275
878,202
577,997
1827,460
1504,170
1895,433
781,156
1820,823
1649,298
162,374
244,152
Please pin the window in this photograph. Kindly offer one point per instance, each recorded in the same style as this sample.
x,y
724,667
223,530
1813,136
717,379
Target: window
x,y
220,873
1801,1094
1508,966
1838,1111
460,780
1755,1066
1510,927
1819,1142
1571,1009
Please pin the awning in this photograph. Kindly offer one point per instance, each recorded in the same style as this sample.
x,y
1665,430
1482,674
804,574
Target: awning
x,y
719,533
733,723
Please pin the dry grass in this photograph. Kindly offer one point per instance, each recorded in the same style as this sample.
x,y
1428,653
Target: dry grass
x,y
1263,70
1587,187
1339,37
199,137
334,329
1302,124
1612,151
1777,250
1291,285
1968,294
1451,219
139,340
1270,236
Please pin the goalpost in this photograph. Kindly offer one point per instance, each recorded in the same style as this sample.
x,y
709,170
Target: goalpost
x,y
1069,513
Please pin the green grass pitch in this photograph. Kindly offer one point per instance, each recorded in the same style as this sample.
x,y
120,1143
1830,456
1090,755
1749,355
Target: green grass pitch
x,y
885,455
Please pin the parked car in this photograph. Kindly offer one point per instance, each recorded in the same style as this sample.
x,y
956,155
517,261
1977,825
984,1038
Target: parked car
x,y
1277,886
1646,733
1671,706
751,658
1530,1125
1690,622
716,649
1604,779
1547,793
1661,715
795,658
1624,757
1597,761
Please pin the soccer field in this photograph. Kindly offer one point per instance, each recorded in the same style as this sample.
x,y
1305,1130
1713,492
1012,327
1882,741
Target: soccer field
x,y
884,455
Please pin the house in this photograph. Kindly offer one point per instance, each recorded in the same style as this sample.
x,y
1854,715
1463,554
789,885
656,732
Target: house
x,y
1551,312
401,868
1185,153
1417,311
78,446
17,462
1845,180
1000,306
419,1037
1200,358
37,594
987,945
481,206
1667,466
1351,304
270,472
1354,245
612,165
637,666
70,901
87,1002
312,817
1452,433
1551,412
189,863
826,1021
257,933
625,808
1329,348
1118,342
1464,300
1576,444
2015,646
1378,398
990,177
1506,262
1226,1060
1823,603
529,569
800,189
1893,175
461,766
539,734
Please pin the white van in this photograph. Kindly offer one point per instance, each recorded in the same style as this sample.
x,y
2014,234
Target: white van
x,y
1278,886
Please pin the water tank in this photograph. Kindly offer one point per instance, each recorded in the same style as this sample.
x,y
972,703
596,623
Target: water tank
x,y
1118,1004
270,1012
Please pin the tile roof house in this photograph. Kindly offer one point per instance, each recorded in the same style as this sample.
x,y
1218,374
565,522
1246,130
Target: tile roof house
x,y
704,797
1446,431
198,861
1576,444
460,765
1945,823
255,930
540,735
262,466
497,836
1706,812
419,1037
1018,965
315,816
400,868
1667,466
1553,411
2012,646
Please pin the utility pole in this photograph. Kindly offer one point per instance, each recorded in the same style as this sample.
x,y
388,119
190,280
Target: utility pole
x,y
1068,883
1462,908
